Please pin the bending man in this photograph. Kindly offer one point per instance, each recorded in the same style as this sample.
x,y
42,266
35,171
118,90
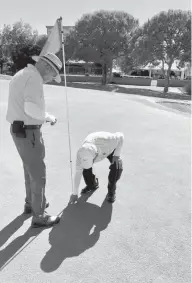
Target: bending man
x,y
95,148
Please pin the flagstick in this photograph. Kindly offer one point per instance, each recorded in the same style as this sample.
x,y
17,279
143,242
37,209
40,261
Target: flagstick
x,y
64,73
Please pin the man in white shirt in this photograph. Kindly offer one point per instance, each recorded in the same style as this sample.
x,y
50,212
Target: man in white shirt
x,y
26,114
95,148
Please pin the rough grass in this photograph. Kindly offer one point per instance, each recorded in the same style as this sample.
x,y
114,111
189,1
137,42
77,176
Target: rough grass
x,y
136,91
120,89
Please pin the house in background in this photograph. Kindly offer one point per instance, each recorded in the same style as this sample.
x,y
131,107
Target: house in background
x,y
186,71
177,72
157,71
83,68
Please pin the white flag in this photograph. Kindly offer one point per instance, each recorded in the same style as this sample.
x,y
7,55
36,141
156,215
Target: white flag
x,y
53,43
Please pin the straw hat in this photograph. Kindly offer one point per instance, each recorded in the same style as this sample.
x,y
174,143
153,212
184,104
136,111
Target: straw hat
x,y
53,61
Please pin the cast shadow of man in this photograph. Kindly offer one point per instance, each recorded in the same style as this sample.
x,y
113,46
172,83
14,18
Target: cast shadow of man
x,y
11,249
73,236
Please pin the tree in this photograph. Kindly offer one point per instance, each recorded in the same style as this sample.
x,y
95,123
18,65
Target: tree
x,y
23,55
2,61
100,37
166,38
19,43
186,44
126,63
41,40
4,46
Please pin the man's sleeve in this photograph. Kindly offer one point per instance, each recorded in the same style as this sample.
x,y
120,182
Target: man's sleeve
x,y
77,180
32,97
77,177
81,163
118,149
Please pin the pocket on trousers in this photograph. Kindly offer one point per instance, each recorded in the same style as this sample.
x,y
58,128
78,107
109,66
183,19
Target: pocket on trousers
x,y
31,137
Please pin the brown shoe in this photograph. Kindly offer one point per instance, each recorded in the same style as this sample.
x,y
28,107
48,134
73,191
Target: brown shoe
x,y
28,209
45,221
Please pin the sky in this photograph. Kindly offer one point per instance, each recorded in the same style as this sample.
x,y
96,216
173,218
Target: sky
x,y
42,13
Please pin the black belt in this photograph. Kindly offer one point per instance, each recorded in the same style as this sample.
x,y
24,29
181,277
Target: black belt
x,y
32,127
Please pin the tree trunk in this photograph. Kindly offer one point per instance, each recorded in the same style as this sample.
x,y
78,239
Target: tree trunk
x,y
163,67
111,74
104,74
166,88
150,72
86,68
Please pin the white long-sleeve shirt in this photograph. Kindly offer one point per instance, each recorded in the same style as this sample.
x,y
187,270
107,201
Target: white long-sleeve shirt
x,y
95,148
26,98
34,111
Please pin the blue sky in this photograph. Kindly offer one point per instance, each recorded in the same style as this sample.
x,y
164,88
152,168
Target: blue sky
x,y
41,13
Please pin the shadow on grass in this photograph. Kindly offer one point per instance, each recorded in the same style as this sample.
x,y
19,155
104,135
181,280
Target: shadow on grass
x,y
73,235
120,89
10,251
11,228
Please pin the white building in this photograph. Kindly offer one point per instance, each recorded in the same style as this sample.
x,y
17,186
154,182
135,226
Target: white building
x,y
181,72
186,71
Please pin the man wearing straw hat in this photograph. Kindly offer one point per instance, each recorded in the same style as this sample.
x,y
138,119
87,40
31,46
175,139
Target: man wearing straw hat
x,y
26,114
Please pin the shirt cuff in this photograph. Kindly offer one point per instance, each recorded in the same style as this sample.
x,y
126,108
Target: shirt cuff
x,y
49,117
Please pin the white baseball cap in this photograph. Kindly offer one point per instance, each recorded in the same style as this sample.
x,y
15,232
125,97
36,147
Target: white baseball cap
x,y
53,61
86,156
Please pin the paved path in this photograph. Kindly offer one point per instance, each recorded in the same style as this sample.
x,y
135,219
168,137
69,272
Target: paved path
x,y
144,237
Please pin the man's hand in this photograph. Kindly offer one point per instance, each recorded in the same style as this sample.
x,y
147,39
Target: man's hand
x,y
53,123
118,162
73,199
51,119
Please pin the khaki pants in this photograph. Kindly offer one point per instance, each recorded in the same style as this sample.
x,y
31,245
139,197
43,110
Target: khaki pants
x,y
32,152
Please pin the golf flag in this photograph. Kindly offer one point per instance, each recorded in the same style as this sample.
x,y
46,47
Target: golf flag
x,y
54,42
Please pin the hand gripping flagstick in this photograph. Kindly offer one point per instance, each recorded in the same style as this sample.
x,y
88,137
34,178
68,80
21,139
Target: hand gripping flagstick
x,y
64,73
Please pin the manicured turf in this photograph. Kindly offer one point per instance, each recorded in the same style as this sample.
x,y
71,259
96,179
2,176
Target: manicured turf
x,y
144,237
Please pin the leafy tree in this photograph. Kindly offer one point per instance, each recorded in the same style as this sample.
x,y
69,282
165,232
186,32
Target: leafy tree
x,y
19,43
41,40
4,46
22,34
2,61
126,63
23,56
166,37
100,37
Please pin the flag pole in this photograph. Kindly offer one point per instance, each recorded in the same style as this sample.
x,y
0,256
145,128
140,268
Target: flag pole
x,y
64,73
